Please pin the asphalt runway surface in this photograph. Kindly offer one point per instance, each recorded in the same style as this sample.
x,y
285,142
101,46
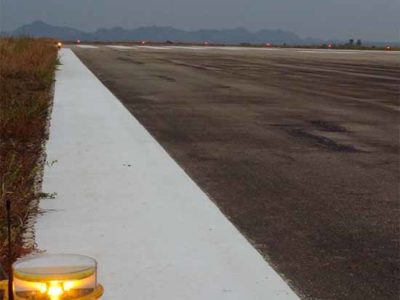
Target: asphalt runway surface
x,y
298,148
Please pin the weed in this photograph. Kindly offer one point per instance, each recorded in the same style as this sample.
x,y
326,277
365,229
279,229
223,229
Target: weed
x,y
47,195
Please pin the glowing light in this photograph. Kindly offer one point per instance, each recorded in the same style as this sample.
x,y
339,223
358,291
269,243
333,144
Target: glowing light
x,y
330,46
78,41
268,44
55,290
68,285
42,287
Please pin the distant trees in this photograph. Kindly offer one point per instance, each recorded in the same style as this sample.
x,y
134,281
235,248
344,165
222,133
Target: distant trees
x,y
354,44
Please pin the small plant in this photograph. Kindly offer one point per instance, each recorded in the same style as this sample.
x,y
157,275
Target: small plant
x,y
51,163
47,195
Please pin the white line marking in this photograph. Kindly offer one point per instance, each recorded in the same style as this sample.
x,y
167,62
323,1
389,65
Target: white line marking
x,y
120,47
205,48
330,52
87,46
242,48
264,49
153,47
123,200
187,47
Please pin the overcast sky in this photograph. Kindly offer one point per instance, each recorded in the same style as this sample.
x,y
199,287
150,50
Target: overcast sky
x,y
366,19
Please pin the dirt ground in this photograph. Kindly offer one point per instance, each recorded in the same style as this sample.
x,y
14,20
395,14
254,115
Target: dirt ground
x,y
299,149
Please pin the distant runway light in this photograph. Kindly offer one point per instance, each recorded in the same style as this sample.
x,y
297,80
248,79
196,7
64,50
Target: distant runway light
x,y
388,48
268,44
78,41
330,46
143,42
205,43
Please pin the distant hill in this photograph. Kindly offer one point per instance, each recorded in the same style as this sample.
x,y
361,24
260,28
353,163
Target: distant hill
x,y
162,34
159,34
41,29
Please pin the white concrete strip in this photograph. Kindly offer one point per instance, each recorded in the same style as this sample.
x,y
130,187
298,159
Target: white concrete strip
x,y
123,200
87,46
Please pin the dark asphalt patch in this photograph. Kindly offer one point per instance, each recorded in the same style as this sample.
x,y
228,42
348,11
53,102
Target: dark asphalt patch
x,y
167,78
130,60
328,126
322,141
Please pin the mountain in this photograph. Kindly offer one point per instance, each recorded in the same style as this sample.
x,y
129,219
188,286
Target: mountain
x,y
162,34
158,34
41,29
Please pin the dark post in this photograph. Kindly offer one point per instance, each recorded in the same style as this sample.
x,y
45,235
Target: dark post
x,y
10,257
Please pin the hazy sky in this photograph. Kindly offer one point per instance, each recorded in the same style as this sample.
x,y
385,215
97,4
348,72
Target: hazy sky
x,y
365,19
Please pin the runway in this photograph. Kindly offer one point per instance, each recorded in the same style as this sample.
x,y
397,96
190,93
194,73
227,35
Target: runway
x,y
299,148
123,200
237,48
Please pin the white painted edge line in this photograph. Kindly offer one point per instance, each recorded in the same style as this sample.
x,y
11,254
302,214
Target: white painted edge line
x,y
158,47
120,47
204,48
188,47
269,49
346,51
241,48
154,47
123,200
329,52
87,46
246,49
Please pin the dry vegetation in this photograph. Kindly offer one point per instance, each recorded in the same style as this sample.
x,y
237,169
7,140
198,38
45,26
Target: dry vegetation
x,y
26,75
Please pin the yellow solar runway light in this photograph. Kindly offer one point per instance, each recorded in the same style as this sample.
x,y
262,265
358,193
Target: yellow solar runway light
x,y
59,45
56,277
